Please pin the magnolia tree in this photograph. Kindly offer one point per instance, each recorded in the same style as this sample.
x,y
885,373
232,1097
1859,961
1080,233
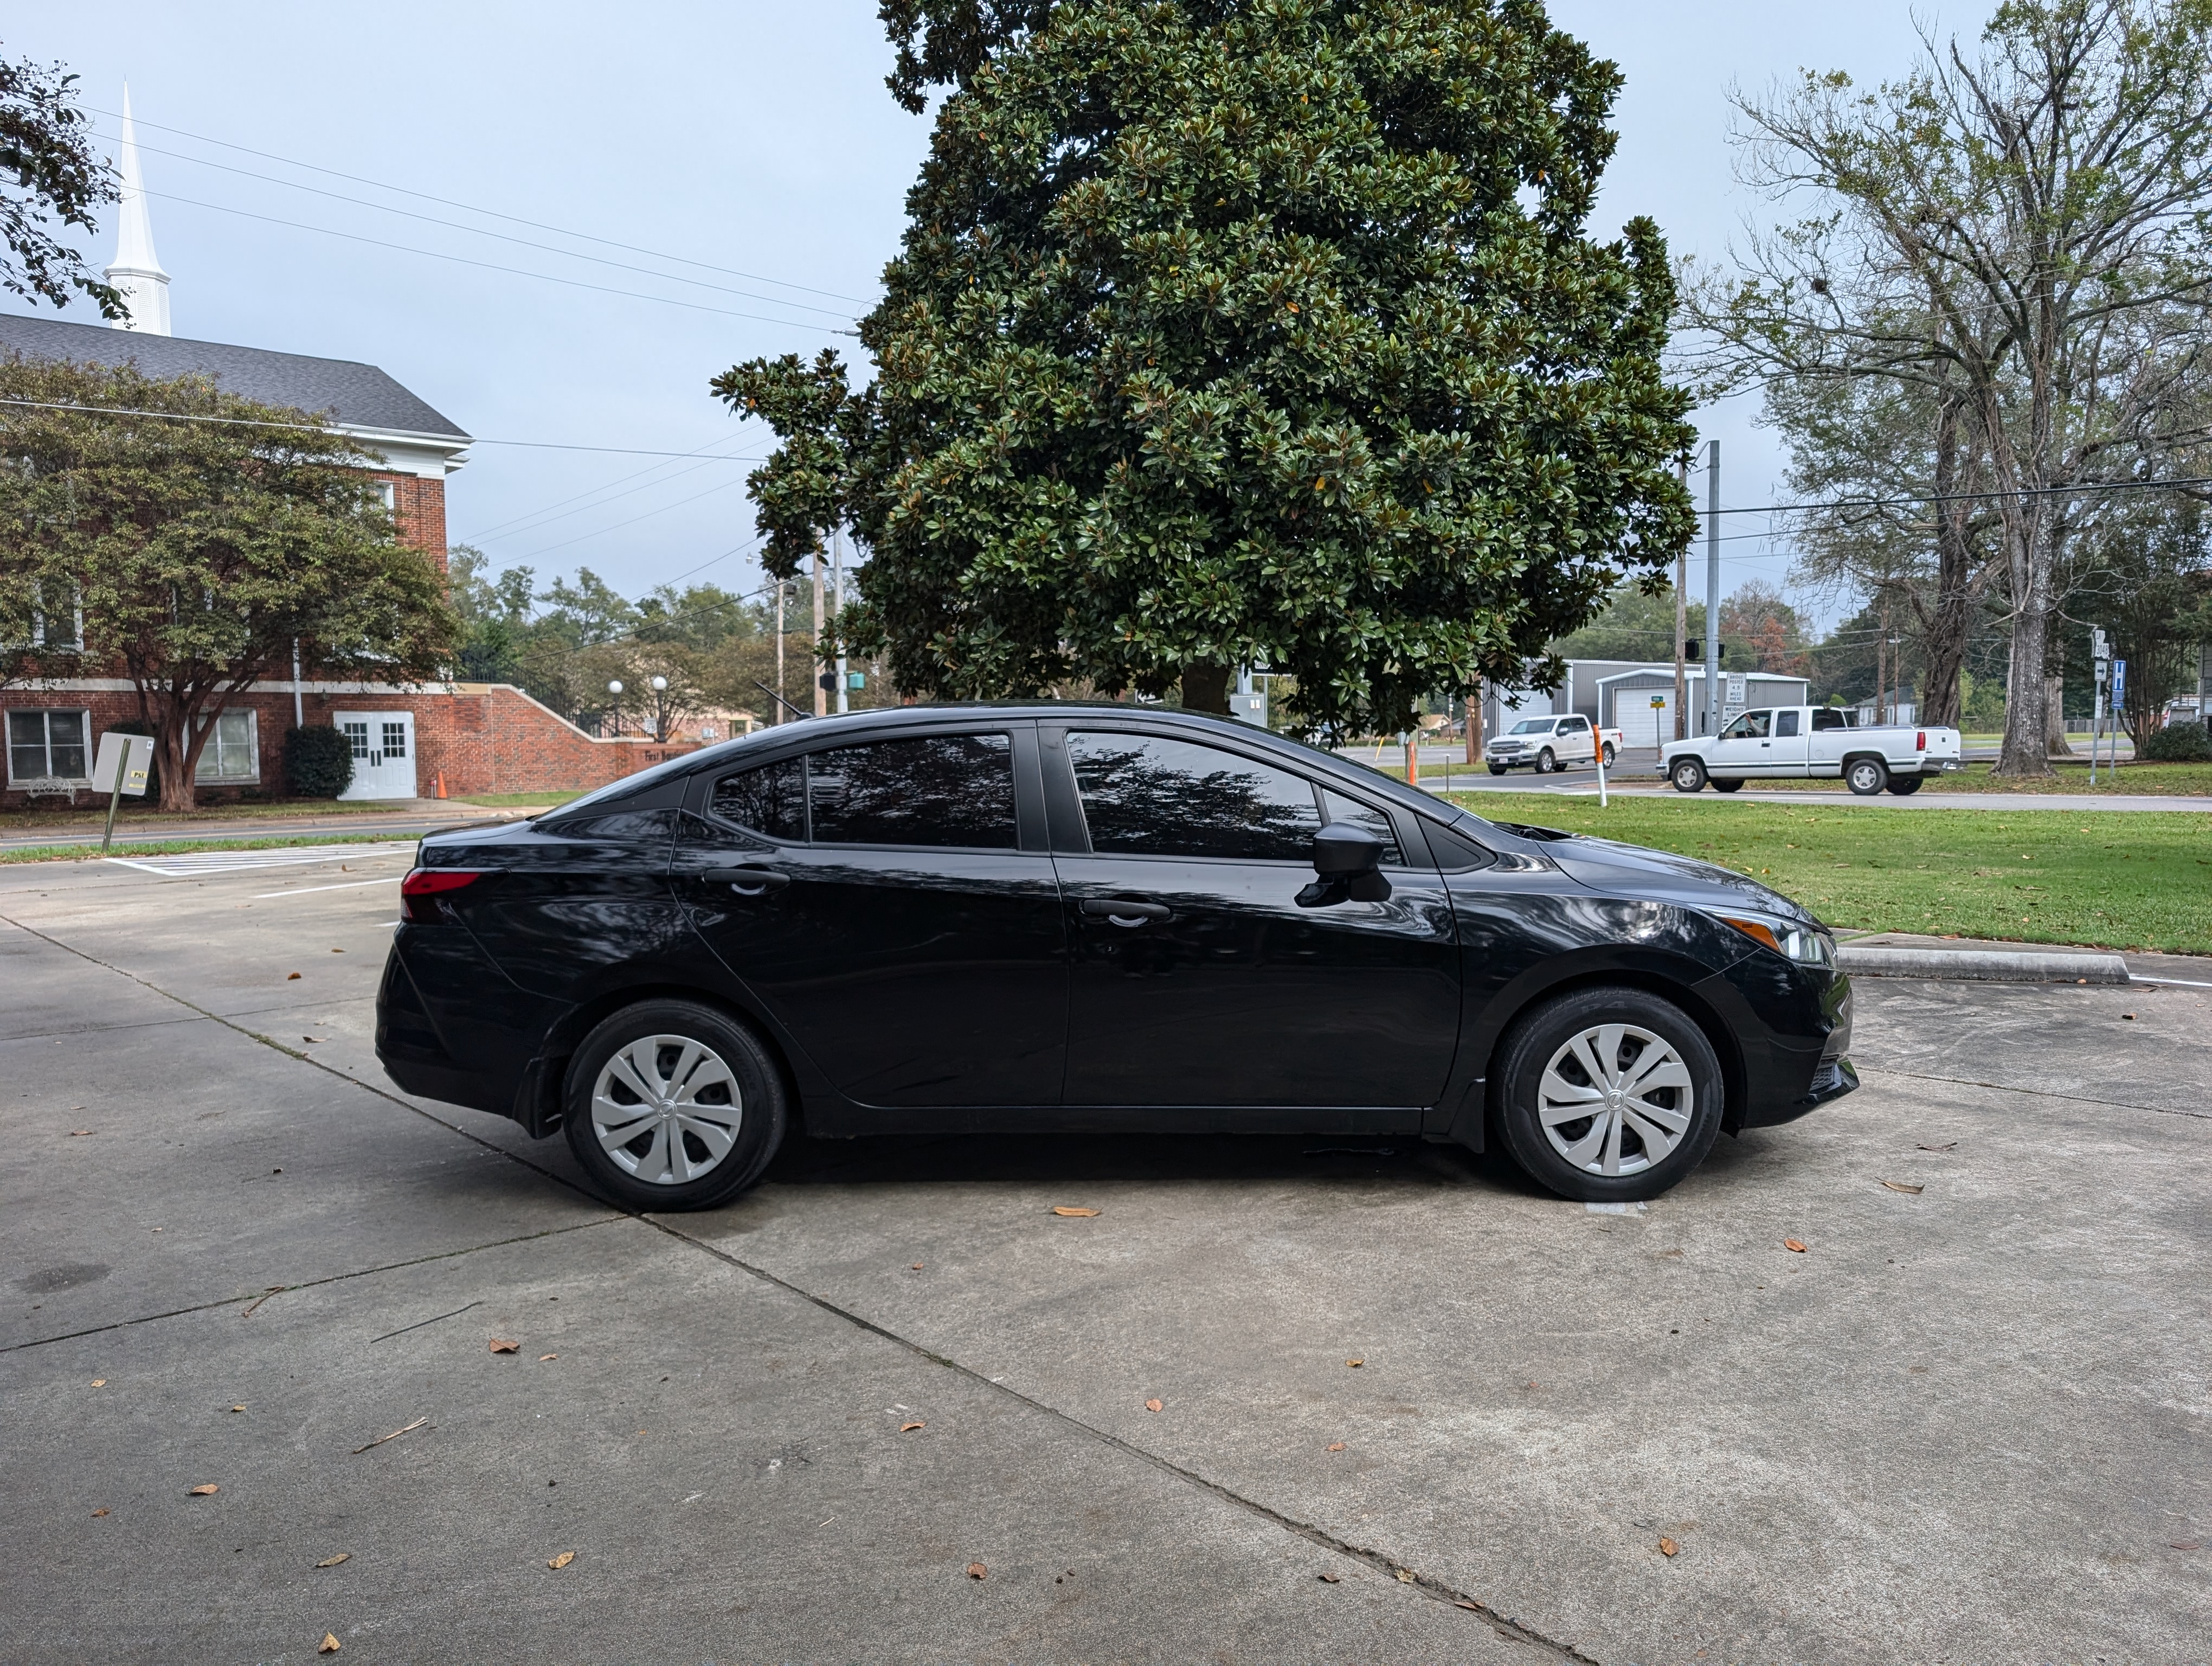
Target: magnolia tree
x,y
199,537
1233,334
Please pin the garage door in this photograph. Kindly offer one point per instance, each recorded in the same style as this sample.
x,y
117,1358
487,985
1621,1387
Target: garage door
x,y
1642,723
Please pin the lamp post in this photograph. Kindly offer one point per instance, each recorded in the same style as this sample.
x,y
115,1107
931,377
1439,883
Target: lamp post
x,y
660,709
614,688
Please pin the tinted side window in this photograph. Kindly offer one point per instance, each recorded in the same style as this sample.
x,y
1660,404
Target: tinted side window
x,y
771,799
955,789
1150,795
1785,724
1339,808
1826,717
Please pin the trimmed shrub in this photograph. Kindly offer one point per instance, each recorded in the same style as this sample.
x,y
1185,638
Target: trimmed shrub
x,y
318,761
2179,743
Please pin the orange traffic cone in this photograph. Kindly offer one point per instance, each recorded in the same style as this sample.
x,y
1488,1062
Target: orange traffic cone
x,y
442,784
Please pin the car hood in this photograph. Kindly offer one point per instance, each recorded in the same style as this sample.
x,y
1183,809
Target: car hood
x,y
1635,871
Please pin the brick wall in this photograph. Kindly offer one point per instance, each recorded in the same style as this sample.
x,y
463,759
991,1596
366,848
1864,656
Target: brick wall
x,y
480,738
419,507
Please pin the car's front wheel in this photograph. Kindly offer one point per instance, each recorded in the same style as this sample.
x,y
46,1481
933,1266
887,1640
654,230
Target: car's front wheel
x,y
1545,764
1688,774
1497,769
671,1104
1607,1095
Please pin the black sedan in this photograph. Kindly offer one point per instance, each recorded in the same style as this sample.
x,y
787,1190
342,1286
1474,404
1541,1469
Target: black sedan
x,y
1090,917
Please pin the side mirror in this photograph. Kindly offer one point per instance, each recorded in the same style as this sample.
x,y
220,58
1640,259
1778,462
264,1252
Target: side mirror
x,y
1347,858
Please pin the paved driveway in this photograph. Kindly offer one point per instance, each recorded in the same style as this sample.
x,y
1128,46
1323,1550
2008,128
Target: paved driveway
x,y
1968,1423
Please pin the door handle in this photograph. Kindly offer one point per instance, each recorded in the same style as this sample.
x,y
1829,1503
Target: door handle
x,y
1127,915
747,881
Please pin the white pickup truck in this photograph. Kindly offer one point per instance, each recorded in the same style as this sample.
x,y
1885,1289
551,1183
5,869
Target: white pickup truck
x,y
1546,744
1795,742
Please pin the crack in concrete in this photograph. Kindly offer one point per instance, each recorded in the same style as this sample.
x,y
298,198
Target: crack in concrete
x,y
2040,1093
1435,1590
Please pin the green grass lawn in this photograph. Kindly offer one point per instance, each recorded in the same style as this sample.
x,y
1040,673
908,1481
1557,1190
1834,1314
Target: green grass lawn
x,y
79,853
137,810
2112,880
518,801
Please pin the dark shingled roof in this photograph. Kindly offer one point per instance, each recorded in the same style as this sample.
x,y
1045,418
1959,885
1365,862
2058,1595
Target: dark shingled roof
x,y
358,395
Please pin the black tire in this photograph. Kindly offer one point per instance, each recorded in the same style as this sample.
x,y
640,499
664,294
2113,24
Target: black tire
x,y
1540,1036
1905,786
1609,755
1497,768
1688,773
750,1086
1545,764
1720,786
1865,776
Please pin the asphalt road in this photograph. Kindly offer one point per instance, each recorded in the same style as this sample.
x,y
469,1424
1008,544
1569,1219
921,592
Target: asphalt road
x,y
1969,1423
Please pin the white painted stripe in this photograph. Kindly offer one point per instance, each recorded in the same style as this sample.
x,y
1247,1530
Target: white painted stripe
x,y
350,884
2178,982
186,864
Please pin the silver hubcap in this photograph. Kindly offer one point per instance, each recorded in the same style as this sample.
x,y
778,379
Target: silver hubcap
x,y
666,1109
1616,1100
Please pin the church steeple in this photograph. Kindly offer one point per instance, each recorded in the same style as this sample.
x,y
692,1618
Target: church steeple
x,y
137,272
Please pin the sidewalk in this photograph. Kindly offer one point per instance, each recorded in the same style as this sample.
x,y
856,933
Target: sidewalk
x,y
406,816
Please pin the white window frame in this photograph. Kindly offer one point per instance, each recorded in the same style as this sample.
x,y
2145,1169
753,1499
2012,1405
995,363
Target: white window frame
x,y
76,644
203,776
83,716
390,489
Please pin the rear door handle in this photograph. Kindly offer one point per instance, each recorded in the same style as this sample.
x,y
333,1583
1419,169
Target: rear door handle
x,y
1124,914
747,881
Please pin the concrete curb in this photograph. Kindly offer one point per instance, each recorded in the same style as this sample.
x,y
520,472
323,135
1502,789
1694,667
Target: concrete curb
x,y
1983,965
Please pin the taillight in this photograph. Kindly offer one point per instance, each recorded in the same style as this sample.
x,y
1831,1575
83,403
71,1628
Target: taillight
x,y
428,882
1920,741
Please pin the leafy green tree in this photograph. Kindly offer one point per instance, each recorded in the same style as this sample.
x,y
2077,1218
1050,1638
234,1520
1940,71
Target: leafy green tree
x,y
198,552
1224,333
495,615
48,171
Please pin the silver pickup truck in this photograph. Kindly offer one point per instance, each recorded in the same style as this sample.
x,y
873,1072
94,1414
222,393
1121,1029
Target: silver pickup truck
x,y
1795,742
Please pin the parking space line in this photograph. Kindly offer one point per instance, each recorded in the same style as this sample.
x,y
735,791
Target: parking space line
x,y
192,864
350,884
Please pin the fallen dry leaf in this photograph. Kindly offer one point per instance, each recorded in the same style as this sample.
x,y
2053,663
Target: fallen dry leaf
x,y
329,1645
1336,1446
1949,1145
1909,1190
917,1267
1668,1546
908,1428
79,1134
333,1561
291,977
976,1570
2128,1016
237,1409
1355,1364
1471,1608
208,1491
1062,1209
1155,1406
501,1344
563,1560
1793,1246
98,1513
311,1040
99,1381
1329,1578
543,1357
1405,1575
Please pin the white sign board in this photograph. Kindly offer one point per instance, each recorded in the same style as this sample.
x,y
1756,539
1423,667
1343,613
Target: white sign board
x,y
132,755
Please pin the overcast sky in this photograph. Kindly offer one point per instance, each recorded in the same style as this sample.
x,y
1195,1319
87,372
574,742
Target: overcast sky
x,y
750,138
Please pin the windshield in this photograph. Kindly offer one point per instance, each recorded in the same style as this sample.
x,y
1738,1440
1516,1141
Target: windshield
x,y
1532,726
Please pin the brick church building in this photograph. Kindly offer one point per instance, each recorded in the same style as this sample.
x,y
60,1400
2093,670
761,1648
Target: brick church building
x,y
447,739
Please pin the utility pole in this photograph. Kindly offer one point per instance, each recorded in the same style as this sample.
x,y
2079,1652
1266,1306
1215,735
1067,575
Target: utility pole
x,y
1881,663
837,549
776,715
1681,624
821,694
1712,587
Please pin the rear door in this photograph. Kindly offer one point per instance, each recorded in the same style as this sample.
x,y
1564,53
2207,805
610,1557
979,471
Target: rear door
x,y
891,903
1200,993
1787,747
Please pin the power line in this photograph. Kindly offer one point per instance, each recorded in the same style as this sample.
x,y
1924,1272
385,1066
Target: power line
x,y
1968,497
546,550
517,523
447,202
478,231
490,265
324,428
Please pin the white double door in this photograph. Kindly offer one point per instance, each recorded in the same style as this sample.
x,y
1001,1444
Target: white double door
x,y
383,754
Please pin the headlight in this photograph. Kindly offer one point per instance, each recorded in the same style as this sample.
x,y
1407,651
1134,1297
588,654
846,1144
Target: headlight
x,y
1806,945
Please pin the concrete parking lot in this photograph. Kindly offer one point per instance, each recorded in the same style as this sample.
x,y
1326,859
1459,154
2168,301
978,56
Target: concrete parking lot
x,y
1409,1408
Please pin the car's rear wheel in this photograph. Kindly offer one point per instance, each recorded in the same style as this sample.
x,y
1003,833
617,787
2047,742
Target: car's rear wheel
x,y
1720,786
670,1104
1688,774
1608,755
1904,786
1865,776
1608,1095
1545,764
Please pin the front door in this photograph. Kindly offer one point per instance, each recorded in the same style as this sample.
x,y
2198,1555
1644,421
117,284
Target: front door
x,y
383,754
1744,747
878,902
1199,984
